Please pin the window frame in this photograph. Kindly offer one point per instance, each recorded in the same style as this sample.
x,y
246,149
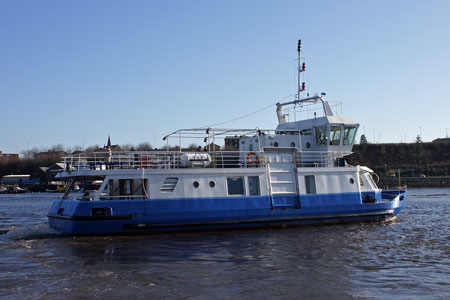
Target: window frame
x,y
230,191
250,185
335,135
310,189
321,135
347,133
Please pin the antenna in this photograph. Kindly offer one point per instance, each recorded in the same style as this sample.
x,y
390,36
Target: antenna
x,y
301,68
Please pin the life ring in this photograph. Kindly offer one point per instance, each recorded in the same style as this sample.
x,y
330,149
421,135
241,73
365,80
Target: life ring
x,y
252,158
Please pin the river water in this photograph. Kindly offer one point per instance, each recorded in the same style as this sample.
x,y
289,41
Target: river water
x,y
405,259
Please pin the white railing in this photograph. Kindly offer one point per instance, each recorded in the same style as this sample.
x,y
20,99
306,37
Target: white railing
x,y
122,160
176,159
319,159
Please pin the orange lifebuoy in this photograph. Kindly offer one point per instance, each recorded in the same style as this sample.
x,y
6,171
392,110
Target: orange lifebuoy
x,y
252,158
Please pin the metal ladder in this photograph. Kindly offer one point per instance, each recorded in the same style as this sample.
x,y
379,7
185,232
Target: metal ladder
x,y
282,179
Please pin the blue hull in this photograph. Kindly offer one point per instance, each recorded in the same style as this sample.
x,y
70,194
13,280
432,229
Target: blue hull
x,y
131,216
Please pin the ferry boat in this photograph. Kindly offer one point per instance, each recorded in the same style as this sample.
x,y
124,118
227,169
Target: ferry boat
x,y
295,174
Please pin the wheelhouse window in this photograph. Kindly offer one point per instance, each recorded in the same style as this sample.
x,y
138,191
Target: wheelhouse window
x,y
321,135
335,135
310,184
349,135
235,185
253,185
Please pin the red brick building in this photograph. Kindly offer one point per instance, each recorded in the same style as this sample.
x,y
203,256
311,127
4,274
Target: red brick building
x,y
8,156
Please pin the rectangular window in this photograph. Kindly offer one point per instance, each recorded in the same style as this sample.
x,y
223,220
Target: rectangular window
x,y
253,185
349,135
125,187
140,187
321,135
310,183
235,185
113,186
335,135
306,132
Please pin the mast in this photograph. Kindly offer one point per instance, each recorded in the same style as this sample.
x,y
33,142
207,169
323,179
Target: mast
x,y
301,68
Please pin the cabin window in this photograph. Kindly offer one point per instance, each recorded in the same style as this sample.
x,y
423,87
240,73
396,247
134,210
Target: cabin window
x,y
253,185
335,135
306,132
125,187
349,135
113,188
235,185
321,135
310,184
140,187
372,183
367,183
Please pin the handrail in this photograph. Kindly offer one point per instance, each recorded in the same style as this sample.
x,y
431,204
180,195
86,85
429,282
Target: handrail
x,y
177,159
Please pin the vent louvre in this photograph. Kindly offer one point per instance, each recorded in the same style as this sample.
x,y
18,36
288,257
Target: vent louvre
x,y
169,184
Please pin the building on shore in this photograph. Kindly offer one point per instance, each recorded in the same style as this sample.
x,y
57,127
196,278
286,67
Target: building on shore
x,y
15,179
441,141
8,156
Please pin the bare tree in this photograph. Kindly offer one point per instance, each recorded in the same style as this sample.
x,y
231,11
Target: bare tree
x,y
145,146
29,154
58,147
126,147
92,148
77,148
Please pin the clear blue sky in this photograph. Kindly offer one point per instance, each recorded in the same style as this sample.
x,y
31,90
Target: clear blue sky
x,y
76,71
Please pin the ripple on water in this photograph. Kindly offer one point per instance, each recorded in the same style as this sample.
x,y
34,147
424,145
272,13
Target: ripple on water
x,y
41,231
408,258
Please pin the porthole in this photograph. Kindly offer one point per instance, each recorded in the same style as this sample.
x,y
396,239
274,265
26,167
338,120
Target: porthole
x,y
352,181
308,145
212,184
292,144
196,184
275,144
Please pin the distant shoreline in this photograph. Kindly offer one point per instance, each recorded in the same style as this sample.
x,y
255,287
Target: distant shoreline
x,y
427,182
